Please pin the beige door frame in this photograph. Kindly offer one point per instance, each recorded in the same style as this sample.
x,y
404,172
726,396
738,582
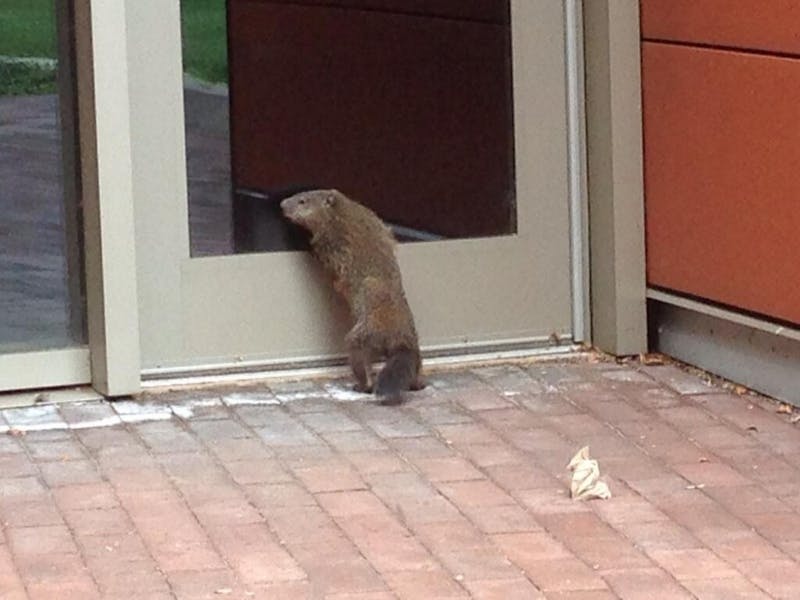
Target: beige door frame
x,y
106,177
272,309
616,188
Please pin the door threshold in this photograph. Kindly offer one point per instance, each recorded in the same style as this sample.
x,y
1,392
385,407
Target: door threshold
x,y
335,367
48,396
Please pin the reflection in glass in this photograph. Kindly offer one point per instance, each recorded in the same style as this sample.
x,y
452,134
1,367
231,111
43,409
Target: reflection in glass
x,y
41,298
205,65
406,109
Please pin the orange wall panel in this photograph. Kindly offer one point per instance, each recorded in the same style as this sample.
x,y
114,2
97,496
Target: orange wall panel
x,y
722,176
768,25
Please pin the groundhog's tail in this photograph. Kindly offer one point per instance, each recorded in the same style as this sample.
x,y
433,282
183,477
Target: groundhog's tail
x,y
397,376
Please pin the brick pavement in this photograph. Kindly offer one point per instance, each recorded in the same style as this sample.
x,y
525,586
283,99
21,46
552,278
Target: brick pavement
x,y
302,490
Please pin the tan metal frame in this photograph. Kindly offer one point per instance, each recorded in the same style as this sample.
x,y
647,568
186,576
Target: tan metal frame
x,y
104,115
616,193
272,308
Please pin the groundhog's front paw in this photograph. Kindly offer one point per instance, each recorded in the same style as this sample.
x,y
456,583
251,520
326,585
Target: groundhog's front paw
x,y
362,388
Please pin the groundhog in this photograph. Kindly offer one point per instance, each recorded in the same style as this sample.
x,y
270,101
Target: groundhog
x,y
357,250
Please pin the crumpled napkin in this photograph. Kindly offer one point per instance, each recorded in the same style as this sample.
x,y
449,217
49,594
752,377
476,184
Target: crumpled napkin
x,y
586,483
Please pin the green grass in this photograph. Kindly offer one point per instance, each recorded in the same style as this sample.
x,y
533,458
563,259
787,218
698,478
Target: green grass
x,y
205,39
27,29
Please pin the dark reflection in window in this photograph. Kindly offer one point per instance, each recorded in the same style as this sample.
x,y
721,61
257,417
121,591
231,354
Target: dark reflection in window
x,y
41,291
402,104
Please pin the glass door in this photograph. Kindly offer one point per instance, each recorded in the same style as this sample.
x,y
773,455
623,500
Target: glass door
x,y
42,302
450,122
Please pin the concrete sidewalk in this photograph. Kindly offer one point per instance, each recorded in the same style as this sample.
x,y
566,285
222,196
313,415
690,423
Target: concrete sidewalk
x,y
306,491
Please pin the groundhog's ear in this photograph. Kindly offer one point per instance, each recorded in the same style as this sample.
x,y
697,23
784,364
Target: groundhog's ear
x,y
330,200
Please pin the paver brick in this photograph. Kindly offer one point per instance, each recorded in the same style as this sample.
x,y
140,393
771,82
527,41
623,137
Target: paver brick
x,y
561,574
658,535
29,513
370,463
677,379
478,492
219,429
711,474
731,588
303,456
205,585
549,404
119,547
741,545
332,477
424,447
698,563
351,575
779,577
478,563
236,449
494,454
166,437
59,450
230,511
645,584
581,595
525,548
69,472
520,476
511,418
480,398
42,540
16,465
467,434
98,521
505,518
433,583
330,421
354,441
85,496
504,589
54,567
277,495
349,503
448,535
74,588
722,438
140,579
245,472
296,525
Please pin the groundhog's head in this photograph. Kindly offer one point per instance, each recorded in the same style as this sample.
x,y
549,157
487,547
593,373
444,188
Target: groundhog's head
x,y
310,210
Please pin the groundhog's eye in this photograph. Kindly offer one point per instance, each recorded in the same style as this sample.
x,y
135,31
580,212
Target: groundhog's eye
x,y
302,201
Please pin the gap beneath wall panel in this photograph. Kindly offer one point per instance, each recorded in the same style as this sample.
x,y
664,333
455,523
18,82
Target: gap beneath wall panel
x,y
753,357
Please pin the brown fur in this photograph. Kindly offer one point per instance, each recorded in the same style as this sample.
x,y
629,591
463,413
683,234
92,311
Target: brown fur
x,y
357,249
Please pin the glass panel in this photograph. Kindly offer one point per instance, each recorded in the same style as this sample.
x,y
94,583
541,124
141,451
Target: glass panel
x,y
208,164
404,105
41,298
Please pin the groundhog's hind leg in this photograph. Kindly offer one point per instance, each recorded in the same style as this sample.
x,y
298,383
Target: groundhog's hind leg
x,y
360,360
361,365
